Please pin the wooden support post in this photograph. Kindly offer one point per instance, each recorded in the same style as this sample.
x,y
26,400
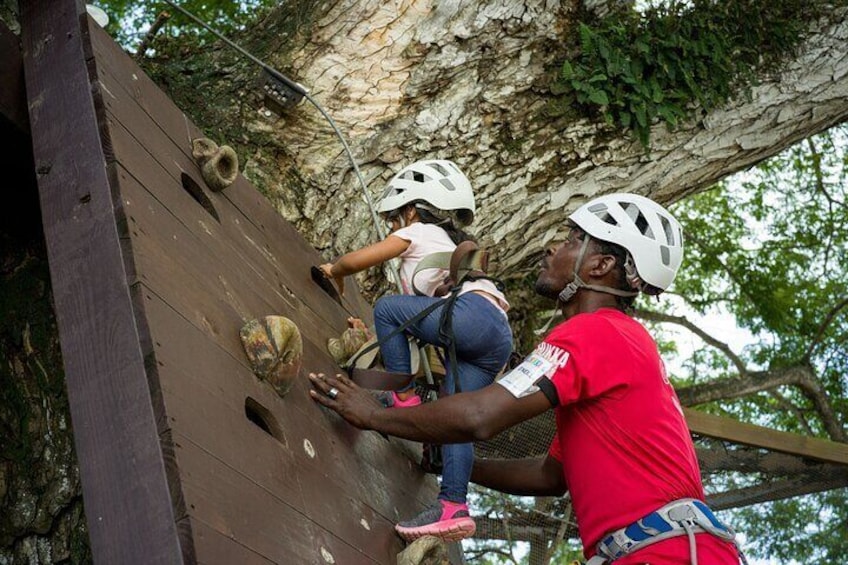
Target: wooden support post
x,y
127,504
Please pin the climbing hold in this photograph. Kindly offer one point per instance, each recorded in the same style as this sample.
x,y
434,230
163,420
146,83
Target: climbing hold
x,y
274,348
326,284
309,449
427,550
342,348
328,557
218,165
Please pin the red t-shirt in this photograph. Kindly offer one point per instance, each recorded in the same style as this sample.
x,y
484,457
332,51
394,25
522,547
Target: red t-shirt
x,y
621,437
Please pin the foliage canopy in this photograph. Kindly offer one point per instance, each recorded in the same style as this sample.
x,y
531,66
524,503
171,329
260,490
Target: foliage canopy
x,y
678,56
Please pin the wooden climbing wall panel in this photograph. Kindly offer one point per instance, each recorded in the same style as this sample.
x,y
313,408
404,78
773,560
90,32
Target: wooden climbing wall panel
x,y
250,477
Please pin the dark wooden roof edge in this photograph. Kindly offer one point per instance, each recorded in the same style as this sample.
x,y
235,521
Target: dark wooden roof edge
x,y
125,489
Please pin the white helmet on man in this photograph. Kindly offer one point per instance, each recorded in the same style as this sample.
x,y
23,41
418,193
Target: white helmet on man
x,y
438,182
645,229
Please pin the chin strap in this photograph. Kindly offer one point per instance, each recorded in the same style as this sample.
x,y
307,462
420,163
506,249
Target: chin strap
x,y
577,283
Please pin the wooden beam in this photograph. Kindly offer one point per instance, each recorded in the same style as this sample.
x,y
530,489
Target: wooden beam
x,y
125,491
758,436
752,460
778,490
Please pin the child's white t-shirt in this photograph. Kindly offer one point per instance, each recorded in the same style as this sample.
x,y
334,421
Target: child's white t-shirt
x,y
425,239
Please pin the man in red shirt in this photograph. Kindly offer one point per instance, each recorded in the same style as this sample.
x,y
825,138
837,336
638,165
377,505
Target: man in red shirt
x,y
622,447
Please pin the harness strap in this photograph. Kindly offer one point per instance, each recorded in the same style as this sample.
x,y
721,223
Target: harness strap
x,y
468,259
577,283
465,260
686,516
376,343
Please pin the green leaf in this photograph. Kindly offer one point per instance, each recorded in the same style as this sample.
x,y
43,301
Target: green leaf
x,y
599,97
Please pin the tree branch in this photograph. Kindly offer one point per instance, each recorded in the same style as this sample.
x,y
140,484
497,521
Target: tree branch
x,y
686,323
748,383
151,33
753,382
471,82
784,403
827,320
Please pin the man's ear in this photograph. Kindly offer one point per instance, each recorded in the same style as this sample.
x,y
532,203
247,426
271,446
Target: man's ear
x,y
601,265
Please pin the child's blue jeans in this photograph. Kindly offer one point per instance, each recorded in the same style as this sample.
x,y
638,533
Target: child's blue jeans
x,y
483,344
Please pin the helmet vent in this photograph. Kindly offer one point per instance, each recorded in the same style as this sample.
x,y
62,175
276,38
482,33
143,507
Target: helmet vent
x,y
391,191
415,176
639,220
665,255
447,184
669,232
441,169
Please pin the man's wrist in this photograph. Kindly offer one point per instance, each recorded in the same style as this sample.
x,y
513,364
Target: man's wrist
x,y
373,416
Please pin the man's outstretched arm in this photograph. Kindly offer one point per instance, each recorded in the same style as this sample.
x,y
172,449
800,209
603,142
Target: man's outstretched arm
x,y
459,418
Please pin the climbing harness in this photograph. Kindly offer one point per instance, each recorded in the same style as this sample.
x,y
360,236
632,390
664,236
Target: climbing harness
x,y
466,260
464,264
687,516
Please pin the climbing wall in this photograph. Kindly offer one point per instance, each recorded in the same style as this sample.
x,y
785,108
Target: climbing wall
x,y
251,477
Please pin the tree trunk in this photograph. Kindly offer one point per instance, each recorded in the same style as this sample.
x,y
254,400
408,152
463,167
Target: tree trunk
x,y
470,82
42,513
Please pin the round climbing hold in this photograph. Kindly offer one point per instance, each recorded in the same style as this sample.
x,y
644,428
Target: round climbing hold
x,y
218,165
274,348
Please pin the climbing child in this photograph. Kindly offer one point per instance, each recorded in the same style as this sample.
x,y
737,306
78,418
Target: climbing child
x,y
427,204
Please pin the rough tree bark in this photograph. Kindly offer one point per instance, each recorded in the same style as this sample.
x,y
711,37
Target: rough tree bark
x,y
470,81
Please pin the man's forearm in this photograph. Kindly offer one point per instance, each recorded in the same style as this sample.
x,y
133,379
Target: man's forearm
x,y
540,476
445,421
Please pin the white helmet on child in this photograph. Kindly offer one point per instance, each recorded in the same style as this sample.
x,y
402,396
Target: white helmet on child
x,y
438,182
641,226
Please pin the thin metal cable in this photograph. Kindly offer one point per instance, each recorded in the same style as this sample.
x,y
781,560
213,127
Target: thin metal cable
x,y
378,225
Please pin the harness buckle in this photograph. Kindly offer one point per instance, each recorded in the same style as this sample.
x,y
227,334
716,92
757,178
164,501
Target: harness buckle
x,y
681,517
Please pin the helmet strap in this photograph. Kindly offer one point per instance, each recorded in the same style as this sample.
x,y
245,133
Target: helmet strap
x,y
577,283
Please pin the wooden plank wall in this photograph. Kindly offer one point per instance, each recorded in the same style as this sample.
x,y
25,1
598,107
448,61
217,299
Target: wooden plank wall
x,y
302,487
249,477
